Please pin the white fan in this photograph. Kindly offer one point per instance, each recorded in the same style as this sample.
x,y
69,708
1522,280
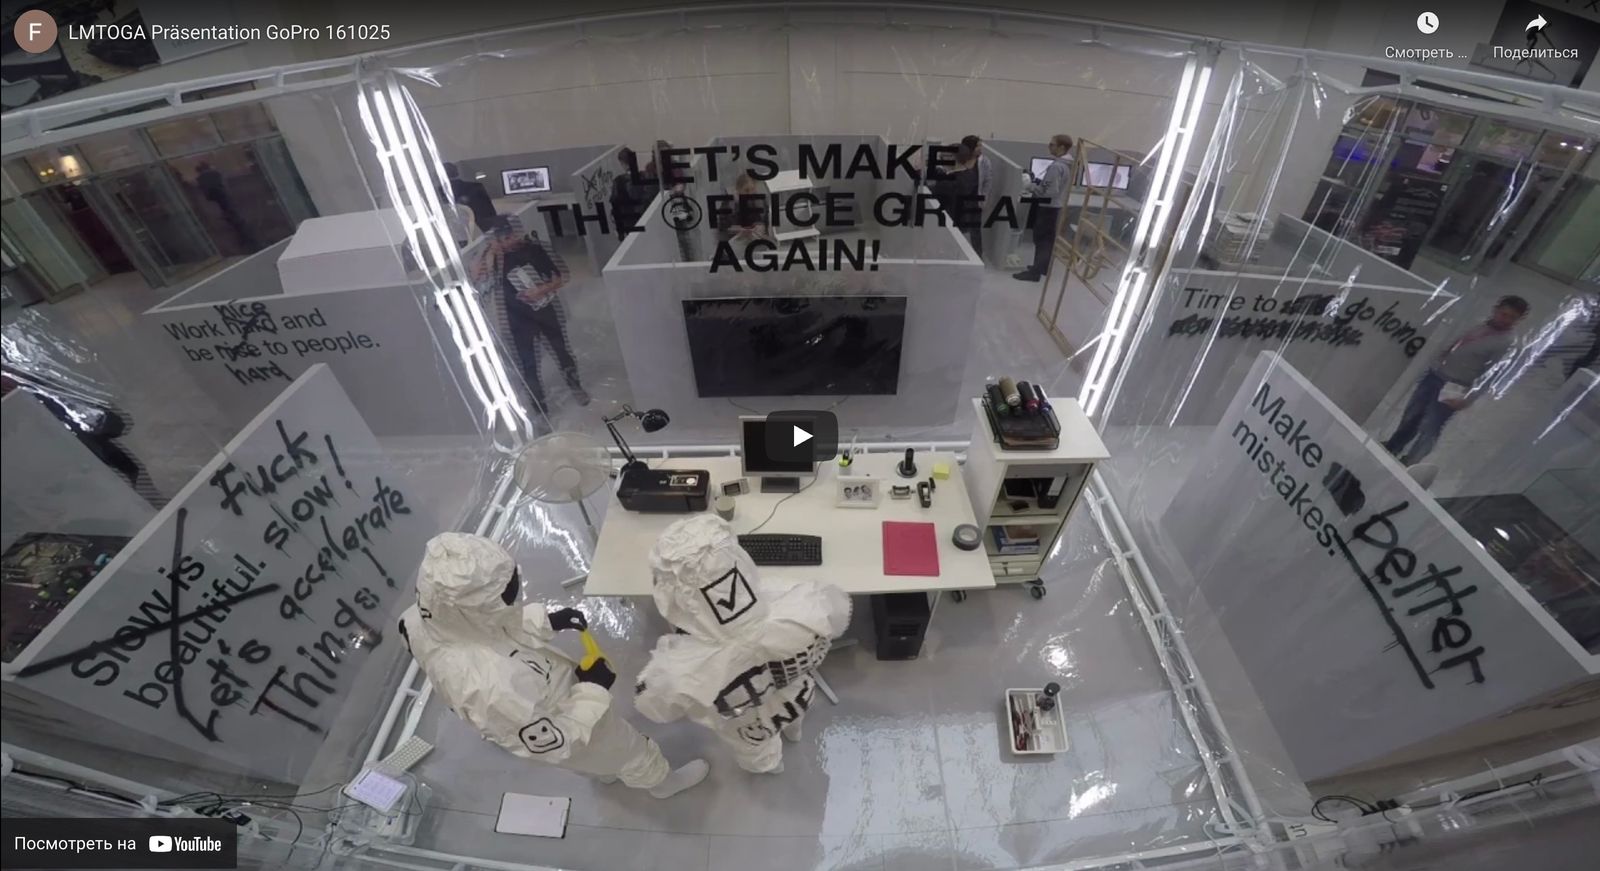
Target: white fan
x,y
564,467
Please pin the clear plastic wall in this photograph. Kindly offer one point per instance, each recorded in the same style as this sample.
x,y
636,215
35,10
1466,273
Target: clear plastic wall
x,y
340,312
225,444
1355,432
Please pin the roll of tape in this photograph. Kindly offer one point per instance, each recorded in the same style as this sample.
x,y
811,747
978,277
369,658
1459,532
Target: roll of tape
x,y
967,537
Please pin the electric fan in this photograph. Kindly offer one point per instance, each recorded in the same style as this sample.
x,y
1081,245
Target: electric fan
x,y
564,467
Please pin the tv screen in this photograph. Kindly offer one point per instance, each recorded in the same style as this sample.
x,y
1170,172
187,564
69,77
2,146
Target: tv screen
x,y
1037,166
796,345
532,180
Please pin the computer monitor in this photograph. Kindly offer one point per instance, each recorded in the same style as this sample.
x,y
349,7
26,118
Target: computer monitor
x,y
757,462
1038,165
1097,174
532,180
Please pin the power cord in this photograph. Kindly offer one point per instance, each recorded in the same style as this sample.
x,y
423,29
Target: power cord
x,y
1366,808
779,504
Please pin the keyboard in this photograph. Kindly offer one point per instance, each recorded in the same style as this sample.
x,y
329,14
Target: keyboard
x,y
783,549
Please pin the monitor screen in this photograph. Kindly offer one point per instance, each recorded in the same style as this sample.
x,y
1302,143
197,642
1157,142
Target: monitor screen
x,y
1038,165
796,345
533,180
1097,174
757,461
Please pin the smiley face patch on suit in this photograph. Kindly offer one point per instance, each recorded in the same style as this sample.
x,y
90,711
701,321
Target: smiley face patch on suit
x,y
542,736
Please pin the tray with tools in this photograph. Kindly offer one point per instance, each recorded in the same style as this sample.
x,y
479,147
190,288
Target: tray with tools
x,y
1027,426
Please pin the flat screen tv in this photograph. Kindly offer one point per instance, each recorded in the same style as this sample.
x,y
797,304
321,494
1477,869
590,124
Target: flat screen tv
x,y
531,180
1098,174
796,345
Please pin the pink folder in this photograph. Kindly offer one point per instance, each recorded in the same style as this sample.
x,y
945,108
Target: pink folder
x,y
910,549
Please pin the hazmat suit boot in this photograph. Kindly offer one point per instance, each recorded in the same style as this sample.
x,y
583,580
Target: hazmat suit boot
x,y
490,658
743,666
681,778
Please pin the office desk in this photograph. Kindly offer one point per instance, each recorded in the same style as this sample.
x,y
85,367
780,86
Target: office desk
x,y
852,538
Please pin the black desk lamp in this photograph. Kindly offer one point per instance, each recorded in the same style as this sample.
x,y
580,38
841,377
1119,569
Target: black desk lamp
x,y
652,420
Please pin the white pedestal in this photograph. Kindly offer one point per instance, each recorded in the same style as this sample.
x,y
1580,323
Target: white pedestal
x,y
346,252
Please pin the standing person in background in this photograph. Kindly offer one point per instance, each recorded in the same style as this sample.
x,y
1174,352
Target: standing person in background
x,y
747,216
957,192
471,194
214,188
519,268
1053,188
672,179
1454,380
985,184
631,191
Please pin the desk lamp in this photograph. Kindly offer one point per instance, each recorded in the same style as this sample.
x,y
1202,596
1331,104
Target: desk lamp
x,y
652,420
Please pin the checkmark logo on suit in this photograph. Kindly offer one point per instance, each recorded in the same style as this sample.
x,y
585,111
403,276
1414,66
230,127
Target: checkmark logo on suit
x,y
729,596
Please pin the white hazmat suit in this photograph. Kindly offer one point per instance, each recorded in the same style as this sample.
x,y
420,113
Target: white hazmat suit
x,y
744,667
492,662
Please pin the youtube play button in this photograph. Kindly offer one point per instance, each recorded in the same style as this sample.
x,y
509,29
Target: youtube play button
x,y
802,436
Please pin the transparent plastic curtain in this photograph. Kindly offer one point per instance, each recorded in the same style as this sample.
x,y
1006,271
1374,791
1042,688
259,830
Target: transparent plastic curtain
x,y
228,433
566,102
516,112
1355,433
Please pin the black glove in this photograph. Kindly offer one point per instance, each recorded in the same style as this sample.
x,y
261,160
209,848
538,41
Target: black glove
x,y
600,673
568,618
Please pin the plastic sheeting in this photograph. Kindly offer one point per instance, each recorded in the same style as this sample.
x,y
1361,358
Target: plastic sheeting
x,y
1355,435
909,768
267,422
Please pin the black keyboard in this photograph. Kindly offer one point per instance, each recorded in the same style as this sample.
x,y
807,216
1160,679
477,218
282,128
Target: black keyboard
x,y
782,549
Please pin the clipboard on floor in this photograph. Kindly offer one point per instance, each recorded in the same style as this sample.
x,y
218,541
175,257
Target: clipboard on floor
x,y
543,816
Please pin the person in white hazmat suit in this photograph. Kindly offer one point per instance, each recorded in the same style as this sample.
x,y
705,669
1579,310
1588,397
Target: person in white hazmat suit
x,y
743,665
490,659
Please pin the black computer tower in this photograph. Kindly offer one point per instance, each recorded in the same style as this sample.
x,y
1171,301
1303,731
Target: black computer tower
x,y
899,620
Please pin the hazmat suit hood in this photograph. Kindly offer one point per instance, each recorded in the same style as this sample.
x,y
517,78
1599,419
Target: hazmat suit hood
x,y
464,583
705,583
489,656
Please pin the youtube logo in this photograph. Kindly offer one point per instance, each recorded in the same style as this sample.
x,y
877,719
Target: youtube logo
x,y
802,436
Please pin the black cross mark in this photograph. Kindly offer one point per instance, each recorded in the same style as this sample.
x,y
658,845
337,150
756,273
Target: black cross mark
x,y
122,637
730,603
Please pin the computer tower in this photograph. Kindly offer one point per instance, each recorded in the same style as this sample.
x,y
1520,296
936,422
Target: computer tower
x,y
900,620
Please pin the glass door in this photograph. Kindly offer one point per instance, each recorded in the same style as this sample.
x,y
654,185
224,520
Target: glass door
x,y
159,230
36,234
1566,244
1484,191
231,194
273,157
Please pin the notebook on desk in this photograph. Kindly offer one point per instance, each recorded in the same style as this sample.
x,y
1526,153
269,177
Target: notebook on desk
x,y
910,549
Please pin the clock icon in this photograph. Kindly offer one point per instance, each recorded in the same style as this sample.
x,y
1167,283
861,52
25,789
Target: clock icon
x,y
1427,22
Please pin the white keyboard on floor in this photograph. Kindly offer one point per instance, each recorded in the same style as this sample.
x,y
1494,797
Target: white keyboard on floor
x,y
406,755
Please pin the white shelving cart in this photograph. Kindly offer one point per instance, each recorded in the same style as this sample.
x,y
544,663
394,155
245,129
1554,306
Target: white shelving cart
x,y
1013,517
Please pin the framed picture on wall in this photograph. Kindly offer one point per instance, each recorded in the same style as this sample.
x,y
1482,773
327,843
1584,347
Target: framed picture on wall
x,y
858,492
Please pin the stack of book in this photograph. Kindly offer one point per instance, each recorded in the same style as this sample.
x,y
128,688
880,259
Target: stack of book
x,y
1015,540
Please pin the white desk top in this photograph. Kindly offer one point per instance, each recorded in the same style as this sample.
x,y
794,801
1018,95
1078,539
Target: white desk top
x,y
852,538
